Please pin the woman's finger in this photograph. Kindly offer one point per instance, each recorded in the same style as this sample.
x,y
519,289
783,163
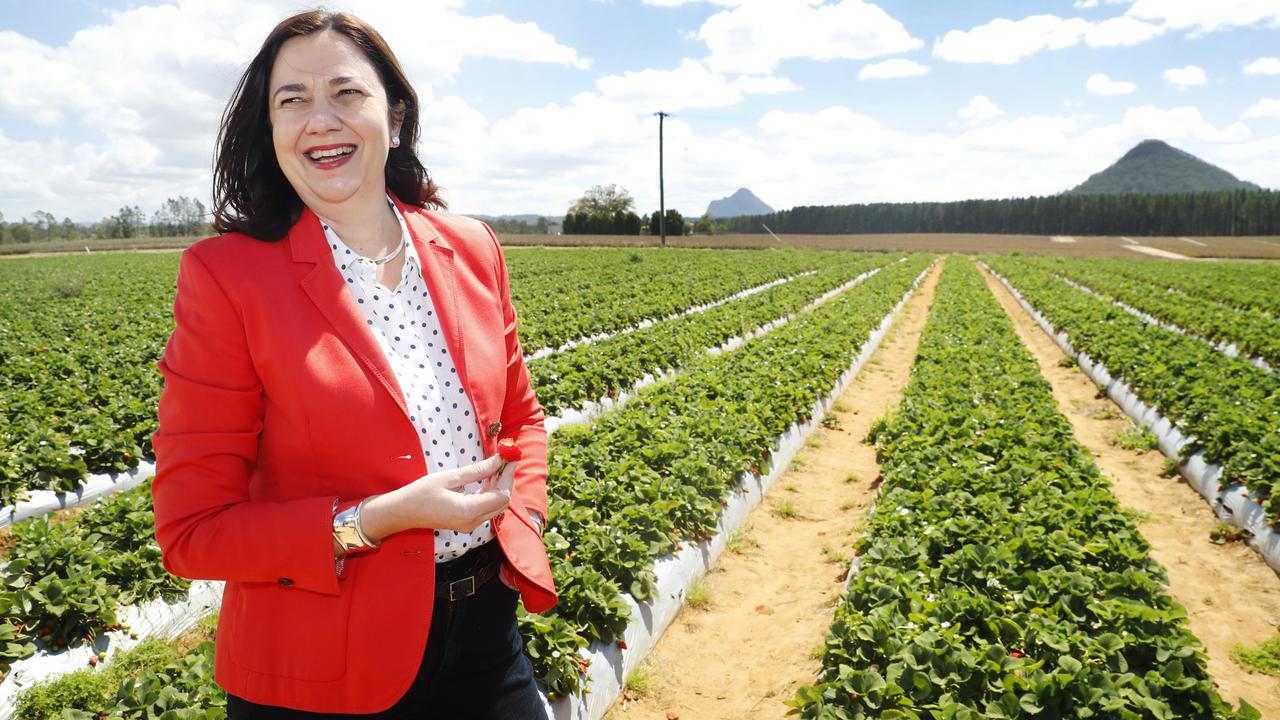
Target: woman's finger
x,y
467,474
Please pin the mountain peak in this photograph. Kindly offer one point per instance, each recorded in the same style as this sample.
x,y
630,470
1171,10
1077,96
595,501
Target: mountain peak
x,y
741,202
1155,166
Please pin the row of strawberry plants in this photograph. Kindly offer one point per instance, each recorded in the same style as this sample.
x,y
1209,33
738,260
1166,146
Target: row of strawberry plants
x,y
1255,333
569,379
998,576
79,337
636,483
648,284
155,679
64,582
630,488
1229,408
1243,285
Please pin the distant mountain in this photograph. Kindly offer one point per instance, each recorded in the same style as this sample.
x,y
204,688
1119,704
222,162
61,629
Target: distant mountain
x,y
1154,166
743,202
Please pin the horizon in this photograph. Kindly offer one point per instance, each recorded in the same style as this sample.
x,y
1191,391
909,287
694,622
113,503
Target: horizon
x,y
115,103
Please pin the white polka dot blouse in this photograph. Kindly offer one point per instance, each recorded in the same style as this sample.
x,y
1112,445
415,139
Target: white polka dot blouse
x,y
404,323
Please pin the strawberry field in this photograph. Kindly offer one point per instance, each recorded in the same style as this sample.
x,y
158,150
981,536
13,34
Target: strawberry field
x,y
997,577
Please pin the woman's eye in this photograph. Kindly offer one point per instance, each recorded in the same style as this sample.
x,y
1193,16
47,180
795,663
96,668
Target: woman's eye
x,y
353,91
290,101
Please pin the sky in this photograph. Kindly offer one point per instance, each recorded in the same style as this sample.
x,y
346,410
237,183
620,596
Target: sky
x,y
107,103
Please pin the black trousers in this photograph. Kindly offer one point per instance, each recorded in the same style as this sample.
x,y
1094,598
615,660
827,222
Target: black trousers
x,y
474,667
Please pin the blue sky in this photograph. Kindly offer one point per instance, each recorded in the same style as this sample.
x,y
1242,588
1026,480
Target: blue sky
x,y
526,105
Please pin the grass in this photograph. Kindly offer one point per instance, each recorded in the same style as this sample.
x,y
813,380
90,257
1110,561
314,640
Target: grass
x,y
848,504
1068,361
1101,412
1171,468
740,543
1264,659
799,462
791,487
813,441
699,594
832,555
850,478
840,406
830,421
1132,437
786,509
639,682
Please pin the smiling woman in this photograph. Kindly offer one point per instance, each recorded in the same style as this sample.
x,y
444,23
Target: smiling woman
x,y
344,367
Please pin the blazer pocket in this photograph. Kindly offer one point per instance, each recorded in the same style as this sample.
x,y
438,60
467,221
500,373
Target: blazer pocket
x,y
291,633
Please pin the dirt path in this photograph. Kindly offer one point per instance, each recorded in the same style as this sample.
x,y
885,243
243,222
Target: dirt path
x,y
1230,594
771,598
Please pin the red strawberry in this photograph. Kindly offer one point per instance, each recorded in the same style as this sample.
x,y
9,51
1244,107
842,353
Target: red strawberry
x,y
622,644
93,661
509,450
1016,654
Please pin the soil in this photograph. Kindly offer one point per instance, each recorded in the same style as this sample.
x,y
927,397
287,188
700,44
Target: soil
x,y
758,636
1232,597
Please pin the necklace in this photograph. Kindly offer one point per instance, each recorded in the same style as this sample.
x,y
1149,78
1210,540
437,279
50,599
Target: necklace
x,y
390,256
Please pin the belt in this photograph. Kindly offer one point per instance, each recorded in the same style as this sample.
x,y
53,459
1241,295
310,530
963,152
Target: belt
x,y
486,565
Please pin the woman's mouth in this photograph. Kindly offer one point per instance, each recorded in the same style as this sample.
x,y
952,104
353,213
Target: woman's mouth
x,y
330,156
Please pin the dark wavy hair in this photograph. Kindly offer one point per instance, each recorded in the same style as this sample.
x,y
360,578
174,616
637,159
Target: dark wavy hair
x,y
250,192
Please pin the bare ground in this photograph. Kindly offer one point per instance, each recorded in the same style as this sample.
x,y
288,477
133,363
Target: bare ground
x,y
1232,597
771,598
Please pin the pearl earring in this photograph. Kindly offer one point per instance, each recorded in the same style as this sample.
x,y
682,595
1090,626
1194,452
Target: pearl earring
x,y
395,141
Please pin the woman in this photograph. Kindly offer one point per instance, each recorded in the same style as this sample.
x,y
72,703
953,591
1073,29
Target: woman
x,y
343,366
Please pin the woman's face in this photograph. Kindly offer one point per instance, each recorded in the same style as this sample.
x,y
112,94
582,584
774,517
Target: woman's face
x,y
329,121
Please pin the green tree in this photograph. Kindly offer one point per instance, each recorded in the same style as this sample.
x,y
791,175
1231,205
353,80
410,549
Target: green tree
x,y
604,200
675,223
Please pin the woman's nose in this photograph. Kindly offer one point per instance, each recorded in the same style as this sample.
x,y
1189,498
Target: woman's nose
x,y
323,118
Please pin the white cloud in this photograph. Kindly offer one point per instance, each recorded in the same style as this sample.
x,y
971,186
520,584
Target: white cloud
x,y
1200,16
754,37
1100,84
1263,66
691,85
979,108
1086,4
1005,42
148,85
833,155
764,84
678,3
1121,32
1185,76
1265,108
1256,160
898,67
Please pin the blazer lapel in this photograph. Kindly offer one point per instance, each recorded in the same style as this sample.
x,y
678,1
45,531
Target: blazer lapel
x,y
324,285
438,272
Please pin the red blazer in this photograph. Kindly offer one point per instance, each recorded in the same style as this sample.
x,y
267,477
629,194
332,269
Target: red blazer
x,y
277,400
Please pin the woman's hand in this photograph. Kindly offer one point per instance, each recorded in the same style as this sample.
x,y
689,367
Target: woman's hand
x,y
435,501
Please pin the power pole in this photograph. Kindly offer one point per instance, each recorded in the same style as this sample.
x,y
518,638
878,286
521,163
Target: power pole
x,y
662,199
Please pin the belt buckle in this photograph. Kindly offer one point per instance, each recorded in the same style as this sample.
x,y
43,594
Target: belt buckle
x,y
470,590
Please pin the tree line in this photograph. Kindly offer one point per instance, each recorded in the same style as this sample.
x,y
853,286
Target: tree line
x,y
610,210
177,217
1225,212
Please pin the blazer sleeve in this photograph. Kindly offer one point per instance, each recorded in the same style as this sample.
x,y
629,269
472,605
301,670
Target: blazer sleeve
x,y
210,417
522,416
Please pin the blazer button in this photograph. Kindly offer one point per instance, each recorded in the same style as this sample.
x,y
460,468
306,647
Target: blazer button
x,y
285,582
